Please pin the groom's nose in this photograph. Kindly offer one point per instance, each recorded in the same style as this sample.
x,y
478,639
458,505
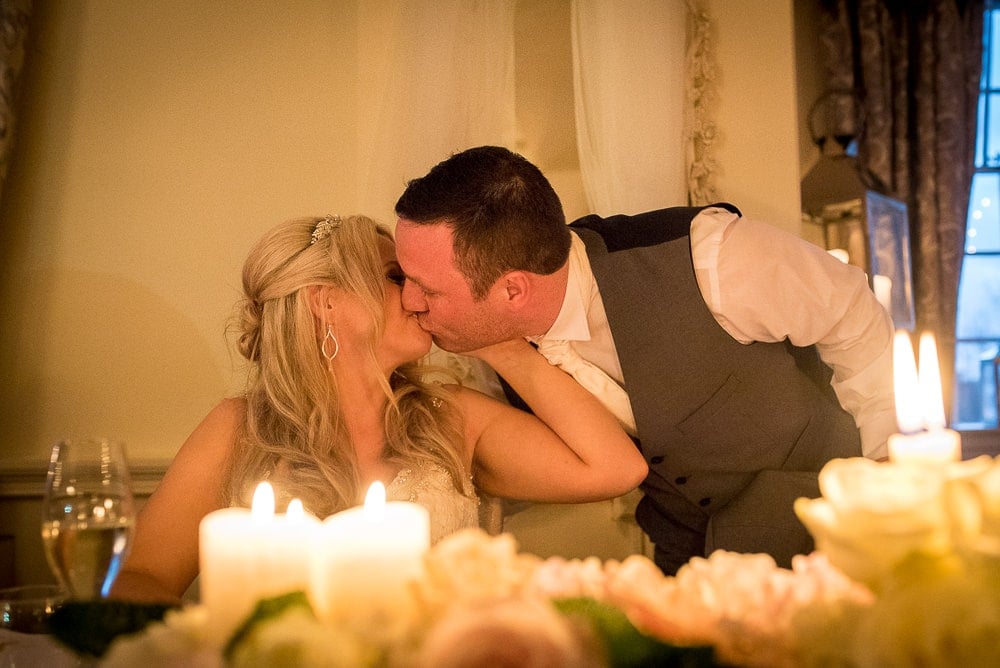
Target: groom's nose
x,y
413,298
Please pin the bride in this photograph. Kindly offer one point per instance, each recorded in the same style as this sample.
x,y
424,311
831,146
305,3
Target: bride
x,y
335,400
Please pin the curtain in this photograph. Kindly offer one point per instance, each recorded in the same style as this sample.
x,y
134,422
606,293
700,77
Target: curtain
x,y
437,77
915,66
628,79
14,15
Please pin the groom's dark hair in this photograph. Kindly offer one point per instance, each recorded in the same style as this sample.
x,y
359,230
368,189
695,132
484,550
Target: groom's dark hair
x,y
504,214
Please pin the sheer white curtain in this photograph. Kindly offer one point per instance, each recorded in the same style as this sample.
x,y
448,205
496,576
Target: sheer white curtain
x,y
435,77
629,83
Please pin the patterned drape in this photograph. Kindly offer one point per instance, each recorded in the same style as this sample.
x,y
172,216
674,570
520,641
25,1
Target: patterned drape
x,y
14,15
915,65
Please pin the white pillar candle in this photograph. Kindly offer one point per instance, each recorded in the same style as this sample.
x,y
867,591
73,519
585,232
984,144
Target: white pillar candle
x,y
882,286
366,561
247,555
920,407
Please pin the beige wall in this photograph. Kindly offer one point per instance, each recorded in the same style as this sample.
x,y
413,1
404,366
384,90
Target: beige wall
x,y
757,115
156,141
159,139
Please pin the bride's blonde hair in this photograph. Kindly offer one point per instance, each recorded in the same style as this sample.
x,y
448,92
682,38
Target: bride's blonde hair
x,y
294,433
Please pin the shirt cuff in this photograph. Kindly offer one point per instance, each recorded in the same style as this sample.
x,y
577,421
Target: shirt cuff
x,y
875,434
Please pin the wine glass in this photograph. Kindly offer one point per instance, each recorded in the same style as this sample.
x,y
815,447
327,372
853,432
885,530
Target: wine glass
x,y
88,515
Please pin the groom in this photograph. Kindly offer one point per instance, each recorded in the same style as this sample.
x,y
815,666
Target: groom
x,y
698,328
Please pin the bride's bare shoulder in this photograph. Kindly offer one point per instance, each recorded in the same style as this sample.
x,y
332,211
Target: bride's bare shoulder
x,y
232,410
216,433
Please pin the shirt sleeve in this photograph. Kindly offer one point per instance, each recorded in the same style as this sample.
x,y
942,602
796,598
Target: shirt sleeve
x,y
764,284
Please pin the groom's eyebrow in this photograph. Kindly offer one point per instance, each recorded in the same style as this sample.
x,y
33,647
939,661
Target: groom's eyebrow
x,y
420,284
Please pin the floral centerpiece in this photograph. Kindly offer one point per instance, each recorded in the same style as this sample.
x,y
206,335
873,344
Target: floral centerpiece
x,y
484,603
907,573
911,577
926,541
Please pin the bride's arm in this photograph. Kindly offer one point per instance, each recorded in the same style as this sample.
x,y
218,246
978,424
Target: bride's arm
x,y
571,450
163,560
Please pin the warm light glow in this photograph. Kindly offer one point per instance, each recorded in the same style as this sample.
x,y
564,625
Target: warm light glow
x,y
375,501
924,440
262,506
882,286
930,383
365,559
906,385
296,513
840,254
245,554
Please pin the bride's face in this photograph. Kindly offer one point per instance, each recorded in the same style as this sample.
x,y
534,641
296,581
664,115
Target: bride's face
x,y
403,340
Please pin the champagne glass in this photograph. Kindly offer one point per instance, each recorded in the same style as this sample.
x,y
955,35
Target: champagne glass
x,y
88,515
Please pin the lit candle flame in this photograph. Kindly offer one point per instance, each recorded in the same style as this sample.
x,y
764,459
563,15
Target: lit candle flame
x,y
925,439
262,507
375,501
908,413
296,513
930,383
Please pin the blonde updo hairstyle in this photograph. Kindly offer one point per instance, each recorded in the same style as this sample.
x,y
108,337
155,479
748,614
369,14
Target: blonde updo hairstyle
x,y
294,433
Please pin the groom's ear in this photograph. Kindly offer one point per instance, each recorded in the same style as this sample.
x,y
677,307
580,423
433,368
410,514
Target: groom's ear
x,y
517,288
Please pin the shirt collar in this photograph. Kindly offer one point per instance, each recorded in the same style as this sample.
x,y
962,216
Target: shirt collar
x,y
571,323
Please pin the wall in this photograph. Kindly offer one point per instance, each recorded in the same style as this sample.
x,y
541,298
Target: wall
x,y
757,115
158,139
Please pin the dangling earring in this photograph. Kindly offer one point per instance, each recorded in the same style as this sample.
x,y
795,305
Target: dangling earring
x,y
328,339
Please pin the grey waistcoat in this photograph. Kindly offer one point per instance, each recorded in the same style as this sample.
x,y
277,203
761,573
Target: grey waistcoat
x,y
711,413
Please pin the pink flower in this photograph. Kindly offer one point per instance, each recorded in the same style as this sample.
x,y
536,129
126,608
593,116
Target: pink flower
x,y
514,633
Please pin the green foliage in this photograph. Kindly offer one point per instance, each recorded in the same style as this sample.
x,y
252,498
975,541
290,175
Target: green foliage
x,y
266,610
625,645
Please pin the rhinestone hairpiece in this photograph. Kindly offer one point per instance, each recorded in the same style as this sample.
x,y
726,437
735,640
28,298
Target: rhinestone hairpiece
x,y
324,228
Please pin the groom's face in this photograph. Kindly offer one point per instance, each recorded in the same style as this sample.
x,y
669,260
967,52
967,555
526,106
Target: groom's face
x,y
440,295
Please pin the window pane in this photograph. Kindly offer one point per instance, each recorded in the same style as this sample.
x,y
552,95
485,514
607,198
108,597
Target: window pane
x,y
994,54
992,131
978,322
983,228
979,298
975,386
980,133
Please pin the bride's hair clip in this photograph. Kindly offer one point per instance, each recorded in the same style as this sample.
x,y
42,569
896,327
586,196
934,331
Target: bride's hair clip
x,y
324,228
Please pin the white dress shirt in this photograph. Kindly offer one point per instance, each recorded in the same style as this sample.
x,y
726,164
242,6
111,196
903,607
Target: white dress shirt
x,y
764,284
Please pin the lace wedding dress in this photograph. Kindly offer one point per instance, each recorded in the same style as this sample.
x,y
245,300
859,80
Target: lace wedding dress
x,y
432,488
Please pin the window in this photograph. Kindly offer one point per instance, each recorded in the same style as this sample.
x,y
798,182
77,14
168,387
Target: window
x,y
977,330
